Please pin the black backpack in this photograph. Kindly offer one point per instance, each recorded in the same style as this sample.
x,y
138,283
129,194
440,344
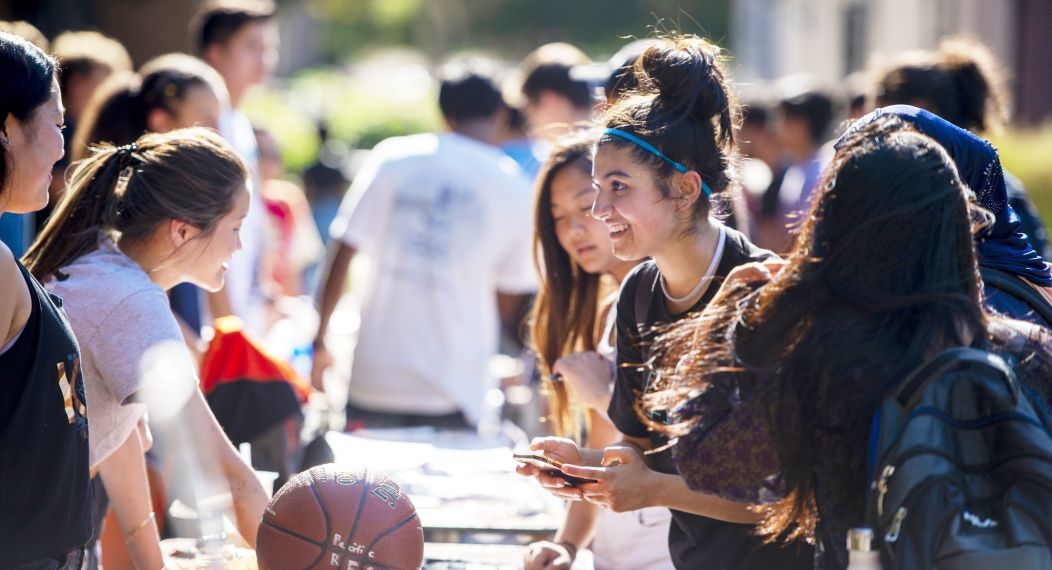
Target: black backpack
x,y
961,469
1013,286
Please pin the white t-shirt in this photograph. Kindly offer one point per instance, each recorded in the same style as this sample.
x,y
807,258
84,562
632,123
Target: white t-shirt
x,y
242,279
118,315
444,223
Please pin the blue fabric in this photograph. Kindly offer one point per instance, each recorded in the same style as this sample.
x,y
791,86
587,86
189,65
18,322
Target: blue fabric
x,y
653,150
1001,246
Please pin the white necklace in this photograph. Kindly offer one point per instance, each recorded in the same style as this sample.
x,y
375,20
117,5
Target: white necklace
x,y
705,279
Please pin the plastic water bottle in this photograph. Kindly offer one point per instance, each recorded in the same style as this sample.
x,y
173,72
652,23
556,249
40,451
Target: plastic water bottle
x,y
860,552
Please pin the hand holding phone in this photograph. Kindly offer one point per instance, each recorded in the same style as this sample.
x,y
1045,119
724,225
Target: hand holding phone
x,y
550,466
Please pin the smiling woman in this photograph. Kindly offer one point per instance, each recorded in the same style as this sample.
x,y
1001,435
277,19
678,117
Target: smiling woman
x,y
43,422
135,221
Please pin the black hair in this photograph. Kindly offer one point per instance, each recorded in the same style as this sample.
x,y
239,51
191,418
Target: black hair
x,y
467,92
685,109
218,20
815,108
119,111
556,77
961,83
28,82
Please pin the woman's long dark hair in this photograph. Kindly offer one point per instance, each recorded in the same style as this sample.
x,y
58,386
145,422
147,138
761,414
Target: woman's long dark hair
x,y
28,76
191,175
882,275
565,313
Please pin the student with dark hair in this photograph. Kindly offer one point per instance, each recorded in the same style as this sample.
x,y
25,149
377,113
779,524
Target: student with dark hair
x,y
663,158
17,230
239,38
961,82
442,220
1017,279
573,334
171,91
555,102
137,220
46,502
793,365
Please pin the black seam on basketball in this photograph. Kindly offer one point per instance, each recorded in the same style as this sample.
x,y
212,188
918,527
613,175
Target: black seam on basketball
x,y
324,508
328,523
361,507
387,532
320,545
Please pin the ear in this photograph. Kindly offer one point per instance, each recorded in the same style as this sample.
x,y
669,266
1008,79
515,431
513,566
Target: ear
x,y
688,190
212,53
181,232
160,121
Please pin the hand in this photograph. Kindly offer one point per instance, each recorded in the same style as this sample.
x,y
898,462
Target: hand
x,y
625,483
321,362
756,272
560,448
590,374
545,555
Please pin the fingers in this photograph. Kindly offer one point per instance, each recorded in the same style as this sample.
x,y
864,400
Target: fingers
x,y
527,470
597,473
560,448
619,454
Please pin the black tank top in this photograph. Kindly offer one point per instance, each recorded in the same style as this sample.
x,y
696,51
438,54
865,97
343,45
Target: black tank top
x,y
45,493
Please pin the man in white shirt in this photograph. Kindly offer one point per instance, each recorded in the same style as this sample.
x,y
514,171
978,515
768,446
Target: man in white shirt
x,y
444,222
239,38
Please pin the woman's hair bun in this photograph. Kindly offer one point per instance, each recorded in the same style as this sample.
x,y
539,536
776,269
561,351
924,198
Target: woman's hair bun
x,y
684,74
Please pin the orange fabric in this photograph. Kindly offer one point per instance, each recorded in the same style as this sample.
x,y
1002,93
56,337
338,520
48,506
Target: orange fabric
x,y
114,551
233,356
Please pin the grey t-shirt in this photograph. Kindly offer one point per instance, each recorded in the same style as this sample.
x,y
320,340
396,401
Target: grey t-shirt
x,y
117,315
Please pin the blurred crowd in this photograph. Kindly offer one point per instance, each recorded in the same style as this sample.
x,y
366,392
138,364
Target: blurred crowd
x,y
477,240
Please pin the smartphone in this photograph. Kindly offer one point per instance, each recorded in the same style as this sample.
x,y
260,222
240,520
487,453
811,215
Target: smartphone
x,y
550,466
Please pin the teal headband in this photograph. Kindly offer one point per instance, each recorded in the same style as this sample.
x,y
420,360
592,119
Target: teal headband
x,y
653,150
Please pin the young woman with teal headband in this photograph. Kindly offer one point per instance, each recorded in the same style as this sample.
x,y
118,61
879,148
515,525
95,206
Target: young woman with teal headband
x,y
662,163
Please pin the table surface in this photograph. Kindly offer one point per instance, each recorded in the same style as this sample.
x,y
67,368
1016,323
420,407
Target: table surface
x,y
459,482
445,556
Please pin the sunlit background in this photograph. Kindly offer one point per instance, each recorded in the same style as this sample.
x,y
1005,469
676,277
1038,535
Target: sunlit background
x,y
362,68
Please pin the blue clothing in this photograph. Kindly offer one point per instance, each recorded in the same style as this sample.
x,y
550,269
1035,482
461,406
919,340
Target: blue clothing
x,y
16,230
1002,246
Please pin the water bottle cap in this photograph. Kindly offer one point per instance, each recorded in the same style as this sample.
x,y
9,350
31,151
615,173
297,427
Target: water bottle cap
x,y
860,539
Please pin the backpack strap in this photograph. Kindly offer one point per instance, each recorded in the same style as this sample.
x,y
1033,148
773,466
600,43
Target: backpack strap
x,y
912,388
1013,286
644,292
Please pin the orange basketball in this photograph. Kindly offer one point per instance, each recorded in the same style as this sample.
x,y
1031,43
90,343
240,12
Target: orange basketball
x,y
340,517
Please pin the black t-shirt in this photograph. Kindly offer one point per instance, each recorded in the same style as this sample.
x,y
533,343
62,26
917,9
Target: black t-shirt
x,y
694,541
45,493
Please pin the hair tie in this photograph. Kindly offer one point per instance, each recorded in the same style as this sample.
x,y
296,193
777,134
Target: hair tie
x,y
125,155
653,150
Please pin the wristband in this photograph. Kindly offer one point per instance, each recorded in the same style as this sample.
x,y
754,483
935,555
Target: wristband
x,y
130,535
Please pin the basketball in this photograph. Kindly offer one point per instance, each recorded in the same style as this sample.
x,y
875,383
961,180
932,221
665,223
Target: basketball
x,y
340,517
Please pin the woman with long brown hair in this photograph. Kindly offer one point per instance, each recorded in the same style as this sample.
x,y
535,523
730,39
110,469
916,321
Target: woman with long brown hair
x,y
572,331
135,221
792,366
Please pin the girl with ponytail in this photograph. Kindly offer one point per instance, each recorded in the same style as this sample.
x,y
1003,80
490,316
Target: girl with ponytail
x,y
45,516
135,221
663,163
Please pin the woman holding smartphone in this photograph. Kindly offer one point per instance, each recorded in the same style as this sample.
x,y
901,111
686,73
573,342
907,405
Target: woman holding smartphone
x,y
573,331
662,160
